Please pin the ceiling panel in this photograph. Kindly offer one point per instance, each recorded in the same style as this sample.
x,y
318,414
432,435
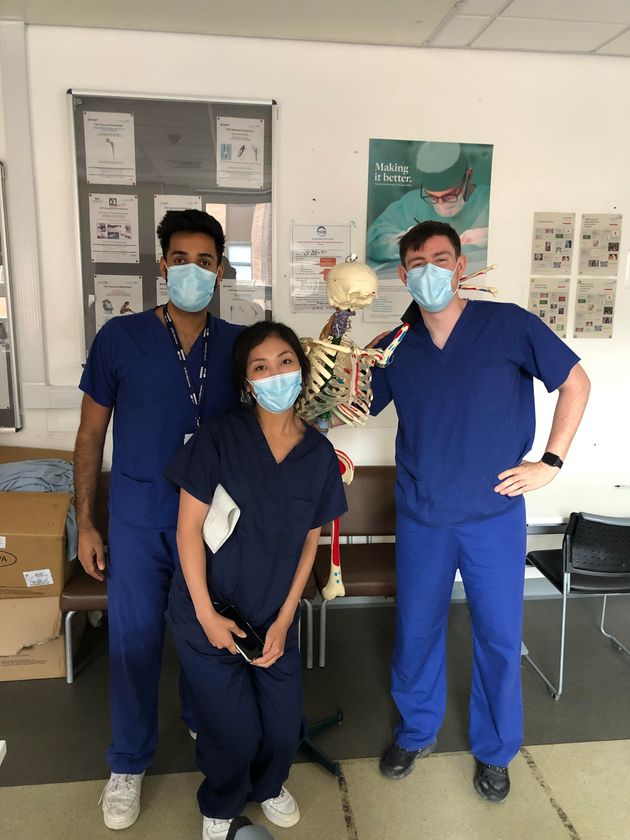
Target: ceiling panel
x,y
482,7
546,36
601,11
460,31
619,46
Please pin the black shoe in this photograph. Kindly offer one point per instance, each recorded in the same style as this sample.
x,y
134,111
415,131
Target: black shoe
x,y
398,762
491,781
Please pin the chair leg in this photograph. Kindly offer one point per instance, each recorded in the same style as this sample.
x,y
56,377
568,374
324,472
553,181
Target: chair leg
x,y
68,642
309,632
555,692
614,640
322,635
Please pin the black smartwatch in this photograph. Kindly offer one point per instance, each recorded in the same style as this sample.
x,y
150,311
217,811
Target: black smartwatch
x,y
552,460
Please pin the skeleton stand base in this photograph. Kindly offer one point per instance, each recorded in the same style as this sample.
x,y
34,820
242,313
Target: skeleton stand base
x,y
313,752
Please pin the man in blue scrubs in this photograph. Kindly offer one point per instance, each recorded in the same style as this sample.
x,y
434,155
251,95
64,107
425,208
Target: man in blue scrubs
x,y
161,372
462,384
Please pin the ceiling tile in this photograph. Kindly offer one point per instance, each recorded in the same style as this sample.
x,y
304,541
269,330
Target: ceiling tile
x,y
545,35
459,31
482,7
602,11
620,46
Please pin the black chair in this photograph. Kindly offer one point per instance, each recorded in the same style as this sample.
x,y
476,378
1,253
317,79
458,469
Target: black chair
x,y
594,560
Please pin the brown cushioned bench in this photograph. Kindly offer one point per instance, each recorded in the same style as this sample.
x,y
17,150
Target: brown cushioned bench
x,y
367,568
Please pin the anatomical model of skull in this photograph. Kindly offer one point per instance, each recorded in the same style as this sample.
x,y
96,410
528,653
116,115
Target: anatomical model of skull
x,y
351,285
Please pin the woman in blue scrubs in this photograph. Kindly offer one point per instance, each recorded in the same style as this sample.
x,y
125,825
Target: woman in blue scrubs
x,y
285,480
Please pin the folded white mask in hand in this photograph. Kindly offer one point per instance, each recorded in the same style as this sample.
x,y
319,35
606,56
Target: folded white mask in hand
x,y
220,520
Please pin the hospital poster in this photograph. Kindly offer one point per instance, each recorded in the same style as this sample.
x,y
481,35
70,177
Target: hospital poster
x,y
594,308
240,153
552,243
411,181
599,244
315,249
115,295
110,151
162,203
161,295
114,228
549,299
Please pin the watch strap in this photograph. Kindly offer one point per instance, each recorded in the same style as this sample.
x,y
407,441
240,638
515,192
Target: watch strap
x,y
552,460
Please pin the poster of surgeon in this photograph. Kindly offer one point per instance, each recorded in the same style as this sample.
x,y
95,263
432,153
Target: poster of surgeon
x,y
413,181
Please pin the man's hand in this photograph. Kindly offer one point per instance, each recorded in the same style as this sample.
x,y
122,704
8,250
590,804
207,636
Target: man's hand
x,y
91,552
274,644
220,631
475,236
529,475
376,340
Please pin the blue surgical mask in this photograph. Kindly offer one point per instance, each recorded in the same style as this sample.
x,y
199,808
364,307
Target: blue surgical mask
x,y
430,286
277,393
190,286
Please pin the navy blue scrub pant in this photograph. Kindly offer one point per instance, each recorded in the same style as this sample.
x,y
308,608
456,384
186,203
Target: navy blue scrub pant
x,y
140,567
249,724
490,556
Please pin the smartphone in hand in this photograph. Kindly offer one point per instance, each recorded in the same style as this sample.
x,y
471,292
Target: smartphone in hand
x,y
251,646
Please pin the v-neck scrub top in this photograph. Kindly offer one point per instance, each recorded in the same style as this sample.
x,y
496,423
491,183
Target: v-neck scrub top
x,y
133,367
279,504
466,412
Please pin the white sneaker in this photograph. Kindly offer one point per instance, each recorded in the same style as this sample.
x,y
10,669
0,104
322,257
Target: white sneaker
x,y
281,810
215,829
121,800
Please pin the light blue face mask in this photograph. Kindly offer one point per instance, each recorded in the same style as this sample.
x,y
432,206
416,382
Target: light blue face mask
x,y
430,286
277,393
190,286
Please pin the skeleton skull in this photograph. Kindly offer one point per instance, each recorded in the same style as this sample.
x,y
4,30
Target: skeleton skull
x,y
351,285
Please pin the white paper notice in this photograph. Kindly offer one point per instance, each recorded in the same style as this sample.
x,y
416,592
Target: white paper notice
x,y
162,203
110,152
315,249
594,308
552,243
38,577
393,299
241,304
240,153
549,299
161,295
114,228
599,244
116,294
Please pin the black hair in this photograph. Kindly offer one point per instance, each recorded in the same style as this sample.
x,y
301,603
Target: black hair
x,y
416,236
190,221
255,335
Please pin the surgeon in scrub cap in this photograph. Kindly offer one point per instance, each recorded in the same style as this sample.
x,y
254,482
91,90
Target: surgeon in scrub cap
x,y
446,192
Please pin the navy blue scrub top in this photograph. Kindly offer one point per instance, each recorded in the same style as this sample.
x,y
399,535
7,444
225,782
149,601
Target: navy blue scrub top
x,y
466,412
133,367
279,504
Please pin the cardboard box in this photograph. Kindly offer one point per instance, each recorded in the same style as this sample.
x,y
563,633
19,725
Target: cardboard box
x,y
33,551
30,645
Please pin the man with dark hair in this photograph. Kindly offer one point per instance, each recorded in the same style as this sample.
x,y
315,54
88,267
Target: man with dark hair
x,y
462,384
161,372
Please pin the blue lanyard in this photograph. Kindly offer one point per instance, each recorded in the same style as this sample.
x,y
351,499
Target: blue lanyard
x,y
195,398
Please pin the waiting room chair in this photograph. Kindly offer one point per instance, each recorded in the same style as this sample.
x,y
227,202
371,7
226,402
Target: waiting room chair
x,y
594,560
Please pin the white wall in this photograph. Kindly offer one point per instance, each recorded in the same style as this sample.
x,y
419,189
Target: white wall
x,y
559,129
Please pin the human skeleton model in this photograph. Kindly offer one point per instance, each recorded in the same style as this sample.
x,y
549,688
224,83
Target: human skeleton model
x,y
341,373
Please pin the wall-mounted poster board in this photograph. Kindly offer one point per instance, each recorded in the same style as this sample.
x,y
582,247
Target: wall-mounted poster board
x,y
136,158
10,416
